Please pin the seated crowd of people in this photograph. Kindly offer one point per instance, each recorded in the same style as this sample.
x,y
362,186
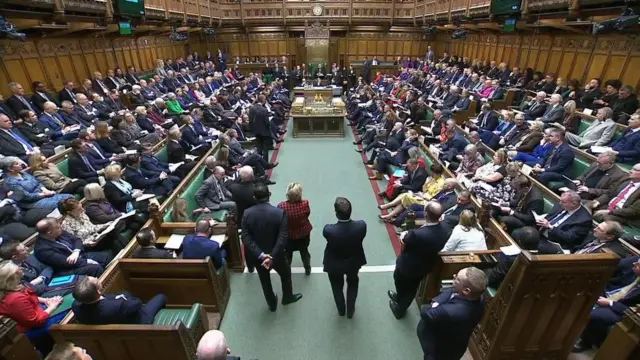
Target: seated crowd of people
x,y
83,214
488,157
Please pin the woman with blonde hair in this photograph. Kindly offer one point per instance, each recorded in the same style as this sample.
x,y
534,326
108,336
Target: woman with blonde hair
x,y
467,235
100,211
103,138
118,192
489,175
179,211
571,119
31,313
52,178
297,211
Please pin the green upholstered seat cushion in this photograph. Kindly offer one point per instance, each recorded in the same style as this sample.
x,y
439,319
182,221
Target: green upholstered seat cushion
x,y
218,215
162,155
626,167
63,166
578,167
170,317
548,205
491,291
146,76
632,231
584,124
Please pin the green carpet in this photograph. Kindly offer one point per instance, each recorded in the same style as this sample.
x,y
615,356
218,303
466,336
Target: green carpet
x,y
311,328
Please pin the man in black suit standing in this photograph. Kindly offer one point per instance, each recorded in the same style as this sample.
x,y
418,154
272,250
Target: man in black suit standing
x,y
420,248
344,255
447,323
264,235
260,127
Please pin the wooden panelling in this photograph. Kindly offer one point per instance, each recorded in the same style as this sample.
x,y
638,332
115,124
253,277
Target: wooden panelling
x,y
55,60
578,57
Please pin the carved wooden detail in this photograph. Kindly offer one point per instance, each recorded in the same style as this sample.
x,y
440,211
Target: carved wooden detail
x,y
86,5
316,31
16,50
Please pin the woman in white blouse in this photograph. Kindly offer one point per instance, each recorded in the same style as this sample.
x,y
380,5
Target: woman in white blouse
x,y
467,235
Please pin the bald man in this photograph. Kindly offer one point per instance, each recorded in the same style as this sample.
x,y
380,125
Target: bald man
x,y
55,123
213,346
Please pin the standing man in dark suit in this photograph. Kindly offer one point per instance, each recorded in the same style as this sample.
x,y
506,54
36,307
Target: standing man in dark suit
x,y
92,307
344,255
420,248
260,127
557,161
264,235
447,323
366,71
242,195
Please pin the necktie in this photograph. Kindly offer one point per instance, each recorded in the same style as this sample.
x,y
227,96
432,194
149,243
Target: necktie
x,y
56,120
219,191
617,199
620,294
24,101
534,106
86,162
550,158
558,217
590,247
484,120
96,150
73,96
44,96
21,140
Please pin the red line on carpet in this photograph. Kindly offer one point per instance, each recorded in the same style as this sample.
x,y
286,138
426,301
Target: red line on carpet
x,y
391,230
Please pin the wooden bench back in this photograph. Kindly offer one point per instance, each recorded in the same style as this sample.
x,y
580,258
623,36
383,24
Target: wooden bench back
x,y
542,306
129,342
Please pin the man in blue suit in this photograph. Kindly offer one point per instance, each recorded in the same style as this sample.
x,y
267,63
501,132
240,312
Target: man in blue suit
x,y
264,235
447,323
151,166
199,245
344,255
628,145
57,127
397,157
420,248
557,162
92,307
487,120
621,293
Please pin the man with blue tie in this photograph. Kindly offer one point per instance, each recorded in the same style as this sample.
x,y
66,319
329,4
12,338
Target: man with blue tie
x,y
55,123
555,165
98,158
17,101
79,165
12,142
627,146
446,323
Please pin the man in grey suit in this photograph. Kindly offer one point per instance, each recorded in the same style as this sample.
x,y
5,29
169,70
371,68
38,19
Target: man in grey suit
x,y
599,133
554,112
213,195
600,177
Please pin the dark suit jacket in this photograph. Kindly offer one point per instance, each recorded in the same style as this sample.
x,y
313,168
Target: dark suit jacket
x,y
561,161
116,197
33,268
98,162
55,253
175,152
264,230
138,180
553,114
151,253
242,195
109,310
64,95
38,101
12,147
533,202
78,169
613,246
491,122
16,105
530,142
534,110
573,230
415,181
609,181
628,147
630,211
622,277
444,330
259,121
344,252
420,250
35,133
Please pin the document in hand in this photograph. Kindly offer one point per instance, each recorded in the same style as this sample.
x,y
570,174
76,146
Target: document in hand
x,y
174,167
190,157
526,169
434,150
399,173
539,217
510,250
599,149
144,197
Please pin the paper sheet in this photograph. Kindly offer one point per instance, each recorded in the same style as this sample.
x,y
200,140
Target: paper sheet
x,y
539,217
526,169
190,157
510,250
587,111
174,242
220,239
563,189
599,149
173,167
144,197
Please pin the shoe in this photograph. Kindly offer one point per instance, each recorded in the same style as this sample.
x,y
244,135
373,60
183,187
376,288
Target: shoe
x,y
394,309
392,295
359,150
269,182
292,299
272,165
341,312
382,194
357,143
251,269
279,141
580,346
371,166
274,306
307,270
350,313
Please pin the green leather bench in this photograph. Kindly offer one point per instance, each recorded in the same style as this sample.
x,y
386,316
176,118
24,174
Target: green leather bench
x,y
170,317
146,76
582,126
63,166
162,155
578,167
189,195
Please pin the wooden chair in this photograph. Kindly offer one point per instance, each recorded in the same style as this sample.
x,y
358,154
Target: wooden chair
x,y
542,306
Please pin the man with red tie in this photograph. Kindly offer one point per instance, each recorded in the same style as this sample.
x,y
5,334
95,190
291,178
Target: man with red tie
x,y
622,202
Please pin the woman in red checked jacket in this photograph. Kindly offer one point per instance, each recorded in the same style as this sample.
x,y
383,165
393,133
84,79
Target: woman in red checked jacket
x,y
297,211
31,313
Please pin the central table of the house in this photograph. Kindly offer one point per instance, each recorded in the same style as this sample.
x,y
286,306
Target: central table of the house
x,y
318,112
